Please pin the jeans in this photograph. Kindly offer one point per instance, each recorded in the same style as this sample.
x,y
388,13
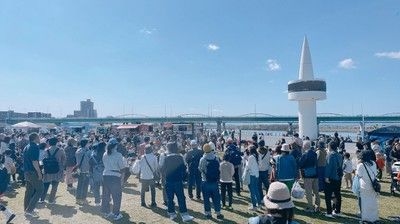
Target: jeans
x,y
146,184
237,179
321,177
254,194
333,187
194,179
83,185
34,189
224,188
112,187
96,191
211,190
311,187
172,189
263,179
52,196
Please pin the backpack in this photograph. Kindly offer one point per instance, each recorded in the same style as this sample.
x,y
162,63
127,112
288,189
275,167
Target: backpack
x,y
235,157
50,164
212,170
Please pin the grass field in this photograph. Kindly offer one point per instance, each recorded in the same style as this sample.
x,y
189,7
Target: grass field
x,y
65,210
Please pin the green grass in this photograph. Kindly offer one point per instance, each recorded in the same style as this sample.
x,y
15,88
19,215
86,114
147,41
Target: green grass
x,y
65,210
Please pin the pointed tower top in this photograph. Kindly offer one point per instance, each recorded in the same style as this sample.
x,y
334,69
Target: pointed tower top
x,y
306,69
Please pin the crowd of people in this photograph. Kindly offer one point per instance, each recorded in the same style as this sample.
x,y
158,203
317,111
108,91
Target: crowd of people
x,y
103,163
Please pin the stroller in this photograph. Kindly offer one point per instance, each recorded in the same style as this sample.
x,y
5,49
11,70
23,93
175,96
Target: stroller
x,y
394,186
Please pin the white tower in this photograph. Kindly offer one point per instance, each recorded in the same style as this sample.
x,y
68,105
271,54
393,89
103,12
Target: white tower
x,y
307,91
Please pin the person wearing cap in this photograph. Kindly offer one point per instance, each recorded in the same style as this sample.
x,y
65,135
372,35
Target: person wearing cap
x,y
82,157
192,159
321,163
209,186
279,206
308,165
174,170
148,166
333,180
112,186
56,178
264,159
286,167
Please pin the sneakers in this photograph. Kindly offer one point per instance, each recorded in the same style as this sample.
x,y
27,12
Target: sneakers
x,y
187,218
337,214
329,216
172,216
108,215
220,216
252,208
32,214
41,201
117,217
153,205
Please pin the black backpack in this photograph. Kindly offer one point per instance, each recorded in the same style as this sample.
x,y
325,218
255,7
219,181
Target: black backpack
x,y
212,170
3,180
50,164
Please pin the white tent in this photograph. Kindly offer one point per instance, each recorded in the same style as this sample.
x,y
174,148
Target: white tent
x,y
25,125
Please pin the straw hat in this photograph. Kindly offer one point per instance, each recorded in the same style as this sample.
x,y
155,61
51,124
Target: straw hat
x,y
207,148
278,197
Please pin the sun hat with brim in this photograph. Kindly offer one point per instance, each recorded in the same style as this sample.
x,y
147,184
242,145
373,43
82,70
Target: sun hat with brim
x,y
278,197
285,148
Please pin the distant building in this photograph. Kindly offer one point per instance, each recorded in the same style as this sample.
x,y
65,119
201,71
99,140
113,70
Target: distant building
x,y
4,115
86,111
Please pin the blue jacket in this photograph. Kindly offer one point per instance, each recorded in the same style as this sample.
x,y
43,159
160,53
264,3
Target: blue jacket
x,y
286,167
309,160
333,168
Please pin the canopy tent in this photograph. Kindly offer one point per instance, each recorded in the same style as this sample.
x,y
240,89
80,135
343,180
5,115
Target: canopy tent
x,y
127,126
26,125
385,133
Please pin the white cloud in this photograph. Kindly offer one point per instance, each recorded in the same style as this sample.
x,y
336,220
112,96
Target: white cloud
x,y
147,31
213,47
391,54
347,63
273,65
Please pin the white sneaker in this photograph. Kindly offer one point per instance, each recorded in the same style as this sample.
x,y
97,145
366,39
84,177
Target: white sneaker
x,y
329,216
187,218
252,208
118,217
108,215
172,216
32,214
337,214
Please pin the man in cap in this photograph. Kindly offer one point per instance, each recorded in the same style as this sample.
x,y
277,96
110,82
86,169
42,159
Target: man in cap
x,y
210,173
234,156
192,159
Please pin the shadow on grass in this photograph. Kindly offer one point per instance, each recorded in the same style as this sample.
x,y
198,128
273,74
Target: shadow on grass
x,y
130,191
37,220
65,211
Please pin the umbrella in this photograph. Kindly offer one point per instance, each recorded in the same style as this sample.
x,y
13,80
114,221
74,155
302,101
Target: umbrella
x,y
26,124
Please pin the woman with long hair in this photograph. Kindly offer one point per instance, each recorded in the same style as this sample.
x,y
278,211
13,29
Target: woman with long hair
x,y
253,169
367,171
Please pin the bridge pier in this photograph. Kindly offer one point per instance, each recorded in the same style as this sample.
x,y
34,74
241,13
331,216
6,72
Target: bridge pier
x,y
224,126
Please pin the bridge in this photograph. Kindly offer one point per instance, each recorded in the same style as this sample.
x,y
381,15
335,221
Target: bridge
x,y
219,120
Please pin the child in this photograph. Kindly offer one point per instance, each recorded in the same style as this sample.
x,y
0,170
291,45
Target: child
x,y
9,215
380,163
227,171
348,170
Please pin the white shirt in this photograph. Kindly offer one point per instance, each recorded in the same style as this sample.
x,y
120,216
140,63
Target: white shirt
x,y
347,166
145,172
252,166
365,182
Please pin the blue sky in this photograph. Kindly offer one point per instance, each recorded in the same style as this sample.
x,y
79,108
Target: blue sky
x,y
183,57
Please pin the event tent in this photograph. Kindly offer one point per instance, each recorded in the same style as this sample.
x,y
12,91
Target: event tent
x,y
385,133
26,125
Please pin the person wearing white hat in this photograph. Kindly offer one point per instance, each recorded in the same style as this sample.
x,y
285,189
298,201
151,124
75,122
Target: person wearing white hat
x,y
192,159
286,167
279,206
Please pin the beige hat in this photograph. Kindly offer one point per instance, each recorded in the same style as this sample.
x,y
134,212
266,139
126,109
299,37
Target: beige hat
x,y
278,197
285,148
207,148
